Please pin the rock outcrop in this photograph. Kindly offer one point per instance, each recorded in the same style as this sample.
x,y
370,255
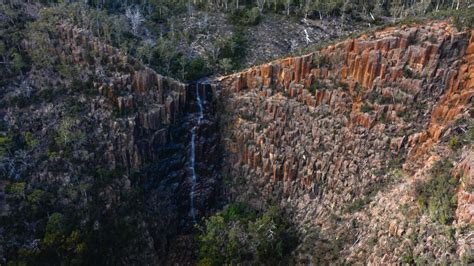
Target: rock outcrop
x,y
324,132
148,102
142,123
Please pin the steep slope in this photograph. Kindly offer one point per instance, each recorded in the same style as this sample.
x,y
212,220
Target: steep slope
x,y
366,145
327,134
98,157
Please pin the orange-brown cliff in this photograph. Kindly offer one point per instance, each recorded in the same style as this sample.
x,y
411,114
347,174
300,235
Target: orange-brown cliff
x,y
332,129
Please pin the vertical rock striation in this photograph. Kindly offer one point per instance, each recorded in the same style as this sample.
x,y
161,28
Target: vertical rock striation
x,y
322,132
148,102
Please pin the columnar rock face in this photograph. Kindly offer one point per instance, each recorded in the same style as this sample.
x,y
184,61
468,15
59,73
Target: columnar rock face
x,y
454,101
147,102
322,135
325,131
142,123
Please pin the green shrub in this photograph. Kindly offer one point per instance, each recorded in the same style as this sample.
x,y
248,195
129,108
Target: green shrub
x,y
238,234
358,204
471,133
365,108
53,154
17,62
5,143
272,236
234,48
68,133
54,234
83,87
16,190
407,257
66,70
395,162
408,73
454,143
410,20
314,87
318,61
245,17
437,195
30,139
238,211
47,94
35,196
383,118
196,68
463,18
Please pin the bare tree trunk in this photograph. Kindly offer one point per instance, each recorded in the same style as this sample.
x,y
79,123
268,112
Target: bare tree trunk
x,y
261,5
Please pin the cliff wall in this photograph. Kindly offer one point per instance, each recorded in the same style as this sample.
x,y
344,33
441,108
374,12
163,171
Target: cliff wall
x,y
328,131
145,103
137,125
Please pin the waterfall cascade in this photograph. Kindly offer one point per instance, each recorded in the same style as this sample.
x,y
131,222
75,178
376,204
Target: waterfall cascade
x,y
193,151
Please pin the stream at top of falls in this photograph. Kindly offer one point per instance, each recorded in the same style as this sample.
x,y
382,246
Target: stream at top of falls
x,y
193,152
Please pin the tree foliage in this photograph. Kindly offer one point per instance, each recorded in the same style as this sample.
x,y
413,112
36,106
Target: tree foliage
x,y
238,234
437,195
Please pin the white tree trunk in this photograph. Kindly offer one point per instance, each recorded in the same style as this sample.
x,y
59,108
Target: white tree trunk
x,y
261,5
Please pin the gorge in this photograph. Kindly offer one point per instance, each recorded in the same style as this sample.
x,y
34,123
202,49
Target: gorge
x,y
363,146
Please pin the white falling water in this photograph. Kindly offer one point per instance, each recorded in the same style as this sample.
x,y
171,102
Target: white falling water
x,y
193,152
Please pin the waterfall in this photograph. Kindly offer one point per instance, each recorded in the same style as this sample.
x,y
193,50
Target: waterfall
x,y
193,152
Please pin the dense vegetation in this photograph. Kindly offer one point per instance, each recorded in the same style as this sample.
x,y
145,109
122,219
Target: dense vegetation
x,y
239,234
155,31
